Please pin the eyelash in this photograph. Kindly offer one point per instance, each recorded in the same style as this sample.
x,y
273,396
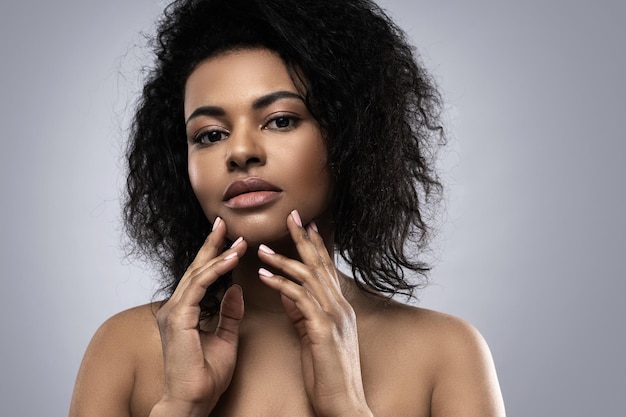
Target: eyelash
x,y
293,123
293,120
205,133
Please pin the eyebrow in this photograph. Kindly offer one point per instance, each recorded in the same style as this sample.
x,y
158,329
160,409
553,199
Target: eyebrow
x,y
257,104
268,99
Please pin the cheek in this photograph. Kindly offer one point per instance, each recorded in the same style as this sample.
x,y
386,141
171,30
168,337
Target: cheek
x,y
314,177
202,183
311,155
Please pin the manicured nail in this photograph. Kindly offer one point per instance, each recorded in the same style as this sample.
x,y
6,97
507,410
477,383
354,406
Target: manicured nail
x,y
216,223
266,249
296,217
264,272
230,256
313,226
236,242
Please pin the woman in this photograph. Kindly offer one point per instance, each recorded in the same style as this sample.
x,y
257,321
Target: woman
x,y
270,136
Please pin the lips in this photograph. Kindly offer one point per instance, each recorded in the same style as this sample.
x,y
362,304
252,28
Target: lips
x,y
250,192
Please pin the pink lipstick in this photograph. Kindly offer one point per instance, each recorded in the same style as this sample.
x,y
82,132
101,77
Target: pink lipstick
x,y
250,193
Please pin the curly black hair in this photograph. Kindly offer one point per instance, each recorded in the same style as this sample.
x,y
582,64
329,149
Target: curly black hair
x,y
365,86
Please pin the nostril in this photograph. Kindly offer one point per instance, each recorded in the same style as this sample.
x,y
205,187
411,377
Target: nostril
x,y
241,163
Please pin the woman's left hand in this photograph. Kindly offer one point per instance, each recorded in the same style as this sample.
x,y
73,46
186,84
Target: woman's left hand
x,y
324,320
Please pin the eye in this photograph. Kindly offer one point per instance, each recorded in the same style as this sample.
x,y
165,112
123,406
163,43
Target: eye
x,y
283,122
207,137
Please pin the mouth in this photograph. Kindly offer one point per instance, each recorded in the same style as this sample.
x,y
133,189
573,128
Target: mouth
x,y
250,192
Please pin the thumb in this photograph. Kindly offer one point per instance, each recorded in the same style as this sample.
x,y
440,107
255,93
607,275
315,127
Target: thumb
x,y
231,313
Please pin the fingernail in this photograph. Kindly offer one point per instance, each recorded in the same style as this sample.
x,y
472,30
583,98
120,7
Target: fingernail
x,y
216,223
264,272
266,249
296,217
313,226
236,242
230,256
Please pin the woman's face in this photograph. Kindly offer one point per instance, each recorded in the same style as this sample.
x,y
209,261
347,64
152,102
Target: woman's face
x,y
255,151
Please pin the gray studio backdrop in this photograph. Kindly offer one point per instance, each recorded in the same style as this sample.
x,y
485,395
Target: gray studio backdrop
x,y
533,248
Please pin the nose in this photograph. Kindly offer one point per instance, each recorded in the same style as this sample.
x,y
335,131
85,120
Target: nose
x,y
244,149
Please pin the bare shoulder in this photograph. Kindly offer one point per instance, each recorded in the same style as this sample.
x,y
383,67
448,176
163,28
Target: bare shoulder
x,y
135,323
419,323
127,334
449,350
450,334
106,378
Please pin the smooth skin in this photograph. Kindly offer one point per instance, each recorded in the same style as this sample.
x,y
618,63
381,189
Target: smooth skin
x,y
308,342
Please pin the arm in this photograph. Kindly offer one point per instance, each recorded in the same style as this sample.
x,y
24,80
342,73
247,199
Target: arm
x,y
105,379
324,320
198,365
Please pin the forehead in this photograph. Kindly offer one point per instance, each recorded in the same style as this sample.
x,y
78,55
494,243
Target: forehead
x,y
240,75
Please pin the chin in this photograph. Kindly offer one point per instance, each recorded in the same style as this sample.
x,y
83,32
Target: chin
x,y
257,230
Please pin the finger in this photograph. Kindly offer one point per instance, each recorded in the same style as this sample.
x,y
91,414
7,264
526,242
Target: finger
x,y
212,245
199,280
197,284
309,244
183,313
231,314
326,257
316,271
206,256
299,273
237,248
316,239
190,298
302,298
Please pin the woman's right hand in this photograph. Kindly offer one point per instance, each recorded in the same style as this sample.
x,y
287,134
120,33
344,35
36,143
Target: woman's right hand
x,y
199,365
